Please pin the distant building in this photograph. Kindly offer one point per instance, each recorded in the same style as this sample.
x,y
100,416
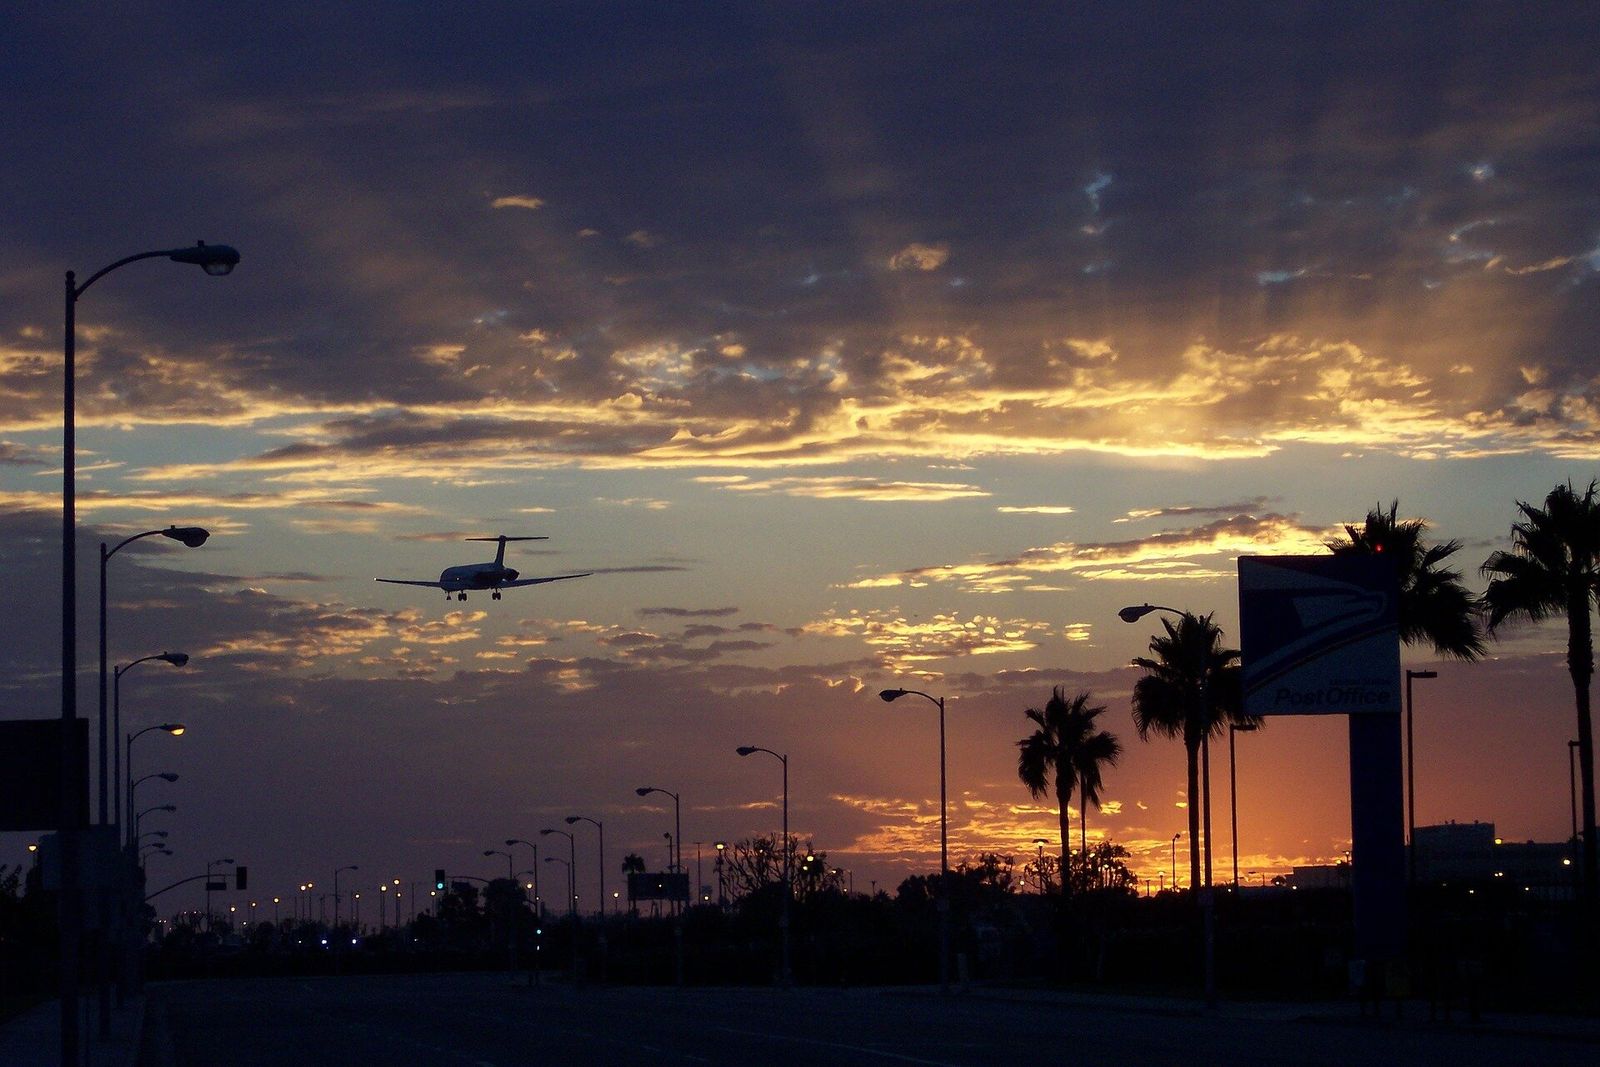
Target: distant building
x,y
1320,876
1470,852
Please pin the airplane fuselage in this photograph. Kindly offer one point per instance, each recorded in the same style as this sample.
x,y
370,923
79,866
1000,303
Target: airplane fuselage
x,y
475,576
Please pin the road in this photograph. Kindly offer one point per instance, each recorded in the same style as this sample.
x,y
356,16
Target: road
x,y
482,1020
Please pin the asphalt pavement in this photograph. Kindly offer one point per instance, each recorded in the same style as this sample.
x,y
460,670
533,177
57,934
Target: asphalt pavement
x,y
490,1020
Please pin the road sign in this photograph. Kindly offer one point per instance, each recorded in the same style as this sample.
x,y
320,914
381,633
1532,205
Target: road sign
x,y
30,772
1319,635
658,886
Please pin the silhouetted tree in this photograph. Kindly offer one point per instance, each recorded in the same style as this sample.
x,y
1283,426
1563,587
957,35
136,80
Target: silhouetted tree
x,y
1553,570
1068,745
1190,690
1435,607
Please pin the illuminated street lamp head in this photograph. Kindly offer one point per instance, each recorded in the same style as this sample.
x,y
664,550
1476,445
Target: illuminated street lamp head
x,y
176,729
215,260
721,846
192,536
745,750
892,694
1134,614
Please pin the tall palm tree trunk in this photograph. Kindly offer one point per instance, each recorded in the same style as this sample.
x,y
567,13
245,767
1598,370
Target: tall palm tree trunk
x,y
1193,749
1062,801
1580,663
1205,796
1083,829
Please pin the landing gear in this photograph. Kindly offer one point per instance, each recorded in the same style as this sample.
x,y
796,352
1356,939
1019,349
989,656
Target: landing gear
x,y
495,595
461,596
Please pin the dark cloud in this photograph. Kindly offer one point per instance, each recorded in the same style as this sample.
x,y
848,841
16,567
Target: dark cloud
x,y
688,613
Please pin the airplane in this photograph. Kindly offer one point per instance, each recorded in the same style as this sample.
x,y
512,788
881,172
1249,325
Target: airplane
x,y
492,576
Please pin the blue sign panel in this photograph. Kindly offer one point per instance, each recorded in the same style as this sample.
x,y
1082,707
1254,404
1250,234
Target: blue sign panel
x,y
1319,635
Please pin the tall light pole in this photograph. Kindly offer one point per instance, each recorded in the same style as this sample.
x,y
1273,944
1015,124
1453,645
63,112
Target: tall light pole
x,y
676,852
1175,859
572,868
337,871
177,659
139,817
600,827
573,820
1044,883
1411,780
1233,791
213,259
193,537
785,973
538,905
677,836
888,696
176,729
510,873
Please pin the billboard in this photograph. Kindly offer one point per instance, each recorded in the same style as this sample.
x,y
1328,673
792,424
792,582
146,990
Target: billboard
x,y
658,886
30,772
1319,635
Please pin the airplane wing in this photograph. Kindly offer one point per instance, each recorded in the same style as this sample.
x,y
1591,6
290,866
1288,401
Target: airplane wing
x,y
541,581
404,581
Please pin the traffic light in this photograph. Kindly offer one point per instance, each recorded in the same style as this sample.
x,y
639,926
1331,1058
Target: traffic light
x,y
438,880
241,878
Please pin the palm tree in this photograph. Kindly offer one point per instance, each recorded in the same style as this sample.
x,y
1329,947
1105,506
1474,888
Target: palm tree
x,y
1068,744
1190,690
1553,570
1434,606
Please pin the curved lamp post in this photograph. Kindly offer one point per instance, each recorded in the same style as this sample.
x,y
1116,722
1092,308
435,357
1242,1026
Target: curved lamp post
x,y
890,695
177,659
572,871
502,852
193,537
148,811
213,259
538,905
599,826
176,729
336,873
677,836
573,820
785,975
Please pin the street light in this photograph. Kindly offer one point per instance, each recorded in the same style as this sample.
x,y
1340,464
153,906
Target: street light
x,y
507,855
573,820
889,696
193,537
674,841
572,868
176,729
1044,883
600,826
1233,791
177,659
336,873
538,905
213,259
138,818
1411,780
784,973
1175,859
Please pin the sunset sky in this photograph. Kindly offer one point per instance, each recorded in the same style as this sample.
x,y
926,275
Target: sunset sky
x,y
851,346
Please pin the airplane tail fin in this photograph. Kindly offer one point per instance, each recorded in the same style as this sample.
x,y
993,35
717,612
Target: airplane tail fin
x,y
500,549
